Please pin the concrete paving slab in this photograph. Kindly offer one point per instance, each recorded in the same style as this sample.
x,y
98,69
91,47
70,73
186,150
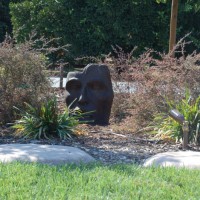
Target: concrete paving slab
x,y
48,154
187,159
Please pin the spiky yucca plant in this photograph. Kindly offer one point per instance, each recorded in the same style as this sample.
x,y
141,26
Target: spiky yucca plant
x,y
45,121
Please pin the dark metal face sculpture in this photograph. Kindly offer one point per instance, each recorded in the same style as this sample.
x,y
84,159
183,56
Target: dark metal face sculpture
x,y
91,90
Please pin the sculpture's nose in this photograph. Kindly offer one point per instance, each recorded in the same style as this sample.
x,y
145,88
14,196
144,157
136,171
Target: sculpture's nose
x,y
83,99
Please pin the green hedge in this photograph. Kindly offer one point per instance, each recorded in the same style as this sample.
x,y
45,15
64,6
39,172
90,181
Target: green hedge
x,y
5,24
92,26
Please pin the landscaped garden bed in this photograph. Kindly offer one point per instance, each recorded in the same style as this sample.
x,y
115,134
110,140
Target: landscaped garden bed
x,y
133,133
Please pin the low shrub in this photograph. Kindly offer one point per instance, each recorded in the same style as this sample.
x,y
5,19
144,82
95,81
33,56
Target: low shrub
x,y
45,121
21,77
156,77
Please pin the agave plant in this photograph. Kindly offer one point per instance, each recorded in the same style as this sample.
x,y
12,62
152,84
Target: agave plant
x,y
190,109
45,121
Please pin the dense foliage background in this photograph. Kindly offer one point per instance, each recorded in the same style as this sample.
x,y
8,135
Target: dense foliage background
x,y
5,24
92,26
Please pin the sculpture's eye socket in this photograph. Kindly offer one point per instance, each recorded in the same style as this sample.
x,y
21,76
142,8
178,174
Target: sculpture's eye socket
x,y
73,85
96,85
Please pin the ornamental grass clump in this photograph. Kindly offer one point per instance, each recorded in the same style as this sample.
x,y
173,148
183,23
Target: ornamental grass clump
x,y
166,127
46,122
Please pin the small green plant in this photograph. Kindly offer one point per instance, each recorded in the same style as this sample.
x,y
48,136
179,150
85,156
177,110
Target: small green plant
x,y
165,126
45,121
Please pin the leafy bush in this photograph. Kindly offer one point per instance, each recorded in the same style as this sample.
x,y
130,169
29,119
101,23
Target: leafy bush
x,y
91,27
165,126
45,121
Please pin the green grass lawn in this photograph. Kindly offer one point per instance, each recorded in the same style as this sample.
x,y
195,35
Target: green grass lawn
x,y
37,181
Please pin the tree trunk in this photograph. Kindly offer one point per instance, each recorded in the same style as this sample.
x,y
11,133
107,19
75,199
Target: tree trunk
x,y
173,24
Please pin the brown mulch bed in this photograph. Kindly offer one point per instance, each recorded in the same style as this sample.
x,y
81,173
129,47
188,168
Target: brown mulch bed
x,y
106,146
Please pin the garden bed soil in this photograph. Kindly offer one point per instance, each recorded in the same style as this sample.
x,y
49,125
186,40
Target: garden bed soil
x,y
105,145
